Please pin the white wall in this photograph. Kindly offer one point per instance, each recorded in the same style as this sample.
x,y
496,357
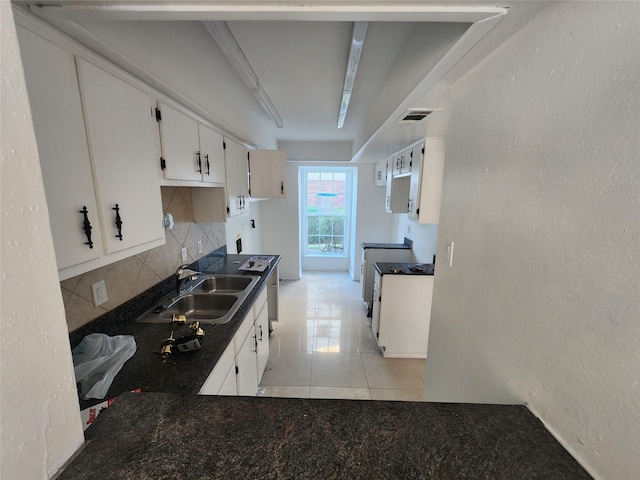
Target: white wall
x,y
40,417
240,226
425,237
280,220
185,57
541,196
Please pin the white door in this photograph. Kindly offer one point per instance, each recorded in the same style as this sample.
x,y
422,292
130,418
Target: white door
x,y
326,217
56,108
212,155
262,337
235,157
247,375
120,128
267,173
180,145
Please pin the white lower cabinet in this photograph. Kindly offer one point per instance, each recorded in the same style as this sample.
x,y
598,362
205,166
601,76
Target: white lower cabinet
x,y
218,382
240,368
262,337
402,314
246,361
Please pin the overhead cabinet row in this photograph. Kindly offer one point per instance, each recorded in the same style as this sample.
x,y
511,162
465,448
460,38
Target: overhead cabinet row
x,y
413,180
97,157
106,145
195,155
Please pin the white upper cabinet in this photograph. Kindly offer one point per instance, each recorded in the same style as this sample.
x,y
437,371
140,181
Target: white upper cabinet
x,y
397,198
180,145
192,153
414,190
56,109
211,155
380,176
426,180
267,173
120,131
96,142
235,157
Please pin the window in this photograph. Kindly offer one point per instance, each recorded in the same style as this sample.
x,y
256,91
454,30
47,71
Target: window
x,y
326,200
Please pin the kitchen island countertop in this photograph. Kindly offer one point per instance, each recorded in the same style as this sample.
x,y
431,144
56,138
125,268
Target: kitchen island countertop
x,y
157,435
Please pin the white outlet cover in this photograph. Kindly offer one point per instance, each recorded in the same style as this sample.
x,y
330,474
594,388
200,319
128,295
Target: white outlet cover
x,y
449,255
99,293
184,254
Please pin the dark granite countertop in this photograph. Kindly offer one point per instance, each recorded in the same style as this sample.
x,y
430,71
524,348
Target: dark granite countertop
x,y
397,268
183,372
385,245
171,436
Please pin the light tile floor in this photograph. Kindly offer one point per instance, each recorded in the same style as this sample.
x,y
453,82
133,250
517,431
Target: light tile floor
x,y
322,346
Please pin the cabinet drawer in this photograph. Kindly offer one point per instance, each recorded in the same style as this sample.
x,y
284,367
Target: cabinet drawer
x,y
259,303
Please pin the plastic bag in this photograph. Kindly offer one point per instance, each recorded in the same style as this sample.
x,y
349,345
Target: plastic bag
x,y
97,360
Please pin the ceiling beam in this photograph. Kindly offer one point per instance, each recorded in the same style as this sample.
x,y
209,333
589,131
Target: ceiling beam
x,y
222,35
310,10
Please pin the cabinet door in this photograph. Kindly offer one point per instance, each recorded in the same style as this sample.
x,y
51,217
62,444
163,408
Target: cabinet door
x,y
398,194
246,373
405,160
120,129
381,173
235,157
262,336
229,386
267,173
211,155
416,177
54,95
431,178
180,145
375,313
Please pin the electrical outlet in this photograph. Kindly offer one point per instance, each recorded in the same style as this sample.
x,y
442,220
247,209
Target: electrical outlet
x,y
200,248
184,254
99,293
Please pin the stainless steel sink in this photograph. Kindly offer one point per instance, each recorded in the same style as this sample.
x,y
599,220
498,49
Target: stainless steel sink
x,y
224,284
210,299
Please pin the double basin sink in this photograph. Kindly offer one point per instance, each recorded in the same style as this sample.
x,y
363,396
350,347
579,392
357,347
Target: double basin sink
x,y
209,299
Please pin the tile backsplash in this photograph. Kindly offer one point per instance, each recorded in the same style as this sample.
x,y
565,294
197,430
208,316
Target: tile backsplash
x,y
129,277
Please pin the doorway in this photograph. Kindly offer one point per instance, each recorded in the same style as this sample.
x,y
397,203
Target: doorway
x,y
326,217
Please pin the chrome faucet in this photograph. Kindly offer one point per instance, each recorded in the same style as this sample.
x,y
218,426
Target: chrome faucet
x,y
183,275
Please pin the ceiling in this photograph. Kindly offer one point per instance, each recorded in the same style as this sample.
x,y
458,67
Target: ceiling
x,y
300,53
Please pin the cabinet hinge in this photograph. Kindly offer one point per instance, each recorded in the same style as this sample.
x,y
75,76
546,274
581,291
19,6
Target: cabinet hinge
x,y
417,211
224,145
378,335
423,150
228,210
158,115
237,371
163,164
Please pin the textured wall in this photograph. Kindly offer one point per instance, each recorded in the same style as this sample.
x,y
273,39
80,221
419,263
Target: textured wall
x,y
40,420
129,277
541,196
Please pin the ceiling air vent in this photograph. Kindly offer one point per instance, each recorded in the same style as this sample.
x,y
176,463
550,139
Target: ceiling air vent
x,y
415,115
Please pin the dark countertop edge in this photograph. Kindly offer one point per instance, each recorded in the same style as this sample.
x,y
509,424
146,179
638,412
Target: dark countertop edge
x,y
407,244
384,268
386,246
195,371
